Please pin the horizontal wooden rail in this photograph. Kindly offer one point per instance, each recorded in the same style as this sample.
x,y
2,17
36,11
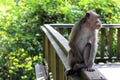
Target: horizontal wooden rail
x,y
56,49
58,42
71,25
55,56
109,40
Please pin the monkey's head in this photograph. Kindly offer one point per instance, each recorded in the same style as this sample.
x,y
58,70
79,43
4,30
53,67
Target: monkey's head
x,y
93,19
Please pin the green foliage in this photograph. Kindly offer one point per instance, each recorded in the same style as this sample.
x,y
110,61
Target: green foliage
x,y
20,34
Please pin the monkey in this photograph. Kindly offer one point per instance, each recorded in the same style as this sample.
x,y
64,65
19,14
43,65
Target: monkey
x,y
83,43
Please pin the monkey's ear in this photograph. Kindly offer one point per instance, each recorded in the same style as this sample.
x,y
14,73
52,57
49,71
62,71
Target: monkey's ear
x,y
87,15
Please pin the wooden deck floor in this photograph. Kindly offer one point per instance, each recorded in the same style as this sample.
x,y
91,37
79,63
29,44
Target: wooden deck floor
x,y
110,71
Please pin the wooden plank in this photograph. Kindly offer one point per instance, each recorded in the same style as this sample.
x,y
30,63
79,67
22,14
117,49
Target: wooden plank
x,y
118,44
110,43
60,53
110,70
40,72
102,42
44,55
46,47
111,25
49,56
46,67
95,75
53,63
61,70
60,44
51,60
58,67
61,41
62,25
106,58
61,30
69,30
71,25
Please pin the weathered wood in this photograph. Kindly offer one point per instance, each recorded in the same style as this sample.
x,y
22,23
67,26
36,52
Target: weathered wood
x,y
46,67
111,25
102,43
118,44
61,30
62,25
61,47
61,70
60,53
46,47
40,72
51,60
49,55
110,70
95,75
58,67
69,30
105,58
110,42
61,41
71,25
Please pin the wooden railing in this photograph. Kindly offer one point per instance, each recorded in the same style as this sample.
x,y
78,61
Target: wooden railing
x,y
109,40
56,49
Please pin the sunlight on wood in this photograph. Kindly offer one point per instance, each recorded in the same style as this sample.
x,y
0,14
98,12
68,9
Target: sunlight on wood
x,y
110,71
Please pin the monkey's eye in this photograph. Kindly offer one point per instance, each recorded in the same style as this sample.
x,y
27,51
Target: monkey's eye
x,y
98,16
97,22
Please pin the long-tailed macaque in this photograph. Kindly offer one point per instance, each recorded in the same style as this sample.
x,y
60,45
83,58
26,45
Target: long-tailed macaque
x,y
83,43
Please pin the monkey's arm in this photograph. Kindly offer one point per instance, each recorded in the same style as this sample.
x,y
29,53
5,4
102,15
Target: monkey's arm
x,y
93,50
73,42
75,51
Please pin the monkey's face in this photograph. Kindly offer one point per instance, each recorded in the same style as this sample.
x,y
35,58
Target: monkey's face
x,y
94,20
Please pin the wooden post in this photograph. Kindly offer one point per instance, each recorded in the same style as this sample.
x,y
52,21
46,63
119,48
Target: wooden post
x,y
61,30
102,43
46,47
118,44
110,43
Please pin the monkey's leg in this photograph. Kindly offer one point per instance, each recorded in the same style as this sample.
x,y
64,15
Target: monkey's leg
x,y
75,63
86,53
71,62
86,56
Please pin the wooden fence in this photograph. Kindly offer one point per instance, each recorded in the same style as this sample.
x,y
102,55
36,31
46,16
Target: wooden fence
x,y
56,49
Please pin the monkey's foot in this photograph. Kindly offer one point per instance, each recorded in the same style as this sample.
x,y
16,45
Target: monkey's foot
x,y
90,69
70,72
79,67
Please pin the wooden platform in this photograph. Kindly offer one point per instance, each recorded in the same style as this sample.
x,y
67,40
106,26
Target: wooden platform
x,y
110,71
40,72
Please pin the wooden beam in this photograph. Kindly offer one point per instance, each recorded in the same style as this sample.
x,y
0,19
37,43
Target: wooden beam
x,y
61,41
95,75
71,25
40,72
60,53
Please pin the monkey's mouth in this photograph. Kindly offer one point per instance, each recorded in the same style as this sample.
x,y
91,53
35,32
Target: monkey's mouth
x,y
98,25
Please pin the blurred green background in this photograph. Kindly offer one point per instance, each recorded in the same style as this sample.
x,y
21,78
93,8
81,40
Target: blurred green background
x,y
20,34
